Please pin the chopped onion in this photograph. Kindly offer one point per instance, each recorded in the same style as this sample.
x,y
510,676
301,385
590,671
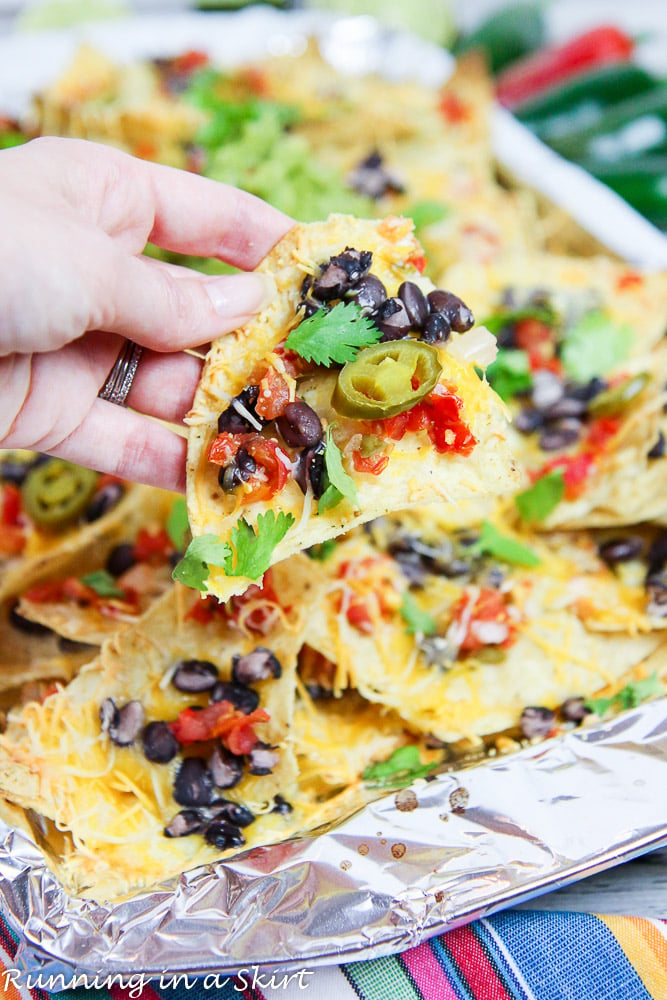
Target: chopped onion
x,y
478,345
490,633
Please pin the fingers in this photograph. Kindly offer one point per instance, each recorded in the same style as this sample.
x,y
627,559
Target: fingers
x,y
127,444
168,309
164,385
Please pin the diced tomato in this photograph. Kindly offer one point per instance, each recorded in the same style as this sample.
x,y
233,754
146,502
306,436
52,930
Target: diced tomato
x,y
189,61
357,614
222,450
418,261
629,281
531,331
439,414
274,395
255,80
272,473
489,606
371,464
357,606
454,109
205,610
602,431
12,533
145,150
575,468
50,592
152,546
294,364
262,616
219,720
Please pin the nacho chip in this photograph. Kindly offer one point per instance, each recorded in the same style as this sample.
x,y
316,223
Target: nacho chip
x,y
417,420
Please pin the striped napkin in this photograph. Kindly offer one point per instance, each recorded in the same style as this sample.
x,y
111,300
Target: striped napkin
x,y
518,955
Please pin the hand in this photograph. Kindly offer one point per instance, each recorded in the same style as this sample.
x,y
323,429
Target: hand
x,y
76,217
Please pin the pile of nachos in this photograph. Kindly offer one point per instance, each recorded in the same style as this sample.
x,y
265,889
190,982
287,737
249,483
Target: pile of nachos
x,y
427,489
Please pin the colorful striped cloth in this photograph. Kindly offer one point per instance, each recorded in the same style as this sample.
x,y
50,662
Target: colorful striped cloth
x,y
517,955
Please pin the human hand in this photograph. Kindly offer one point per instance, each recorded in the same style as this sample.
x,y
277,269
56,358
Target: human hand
x,y
76,217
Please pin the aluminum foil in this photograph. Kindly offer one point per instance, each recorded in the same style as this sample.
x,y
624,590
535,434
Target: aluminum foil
x,y
474,841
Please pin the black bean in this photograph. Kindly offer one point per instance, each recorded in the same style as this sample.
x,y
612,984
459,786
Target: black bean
x,y
14,470
412,567
244,698
108,714
657,554
233,421
355,263
574,710
193,785
506,336
231,811
560,434
565,407
262,759
300,426
457,312
586,391
529,420
194,676
658,449
495,578
239,470
436,329
415,303
226,768
392,318
120,559
537,721
373,179
103,501
159,743
258,665
370,293
126,723
547,390
24,625
621,549
223,835
332,283
184,823
282,806
311,470
317,691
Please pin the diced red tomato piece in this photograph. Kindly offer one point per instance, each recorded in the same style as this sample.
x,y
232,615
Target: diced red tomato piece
x,y
418,261
602,431
629,281
272,472
454,109
189,61
371,464
224,447
152,546
489,606
274,395
219,720
12,533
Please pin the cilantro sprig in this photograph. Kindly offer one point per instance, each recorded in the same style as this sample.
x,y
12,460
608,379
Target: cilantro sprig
x,y
538,501
594,346
177,525
507,316
103,583
248,555
630,696
333,336
510,373
341,485
417,622
402,767
492,542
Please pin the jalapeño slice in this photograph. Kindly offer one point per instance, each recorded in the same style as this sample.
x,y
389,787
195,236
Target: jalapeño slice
x,y
386,379
613,402
54,494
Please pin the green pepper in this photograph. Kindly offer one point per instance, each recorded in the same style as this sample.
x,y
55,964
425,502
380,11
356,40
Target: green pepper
x,y
54,494
642,183
613,402
507,35
581,101
632,128
386,379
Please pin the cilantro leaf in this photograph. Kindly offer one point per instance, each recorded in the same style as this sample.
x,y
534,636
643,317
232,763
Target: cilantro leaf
x,y
628,697
504,317
493,543
537,502
594,346
253,548
202,552
400,768
322,551
510,373
340,483
177,523
425,213
103,584
333,336
417,621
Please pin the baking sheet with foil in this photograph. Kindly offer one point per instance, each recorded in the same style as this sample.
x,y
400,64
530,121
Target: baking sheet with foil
x,y
475,841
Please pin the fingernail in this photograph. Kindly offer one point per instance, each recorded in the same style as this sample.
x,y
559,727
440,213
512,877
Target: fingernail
x,y
241,294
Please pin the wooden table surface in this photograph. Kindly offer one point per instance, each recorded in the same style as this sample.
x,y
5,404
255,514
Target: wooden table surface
x,y
636,888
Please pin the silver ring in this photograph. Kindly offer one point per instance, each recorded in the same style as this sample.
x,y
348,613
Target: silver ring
x,y
119,380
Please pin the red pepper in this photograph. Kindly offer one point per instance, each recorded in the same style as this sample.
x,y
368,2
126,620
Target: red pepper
x,y
555,63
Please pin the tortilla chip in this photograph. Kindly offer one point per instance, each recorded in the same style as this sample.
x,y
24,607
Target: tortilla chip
x,y
416,472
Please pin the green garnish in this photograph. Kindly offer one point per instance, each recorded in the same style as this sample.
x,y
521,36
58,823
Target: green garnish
x,y
177,523
594,346
340,483
630,696
333,336
417,621
537,502
491,542
508,317
510,373
202,552
11,138
426,213
103,584
322,551
254,547
401,768
229,116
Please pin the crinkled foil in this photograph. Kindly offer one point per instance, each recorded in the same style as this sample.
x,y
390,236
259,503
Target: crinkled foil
x,y
475,841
